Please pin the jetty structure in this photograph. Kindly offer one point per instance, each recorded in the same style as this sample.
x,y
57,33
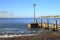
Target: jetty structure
x,y
35,24
54,26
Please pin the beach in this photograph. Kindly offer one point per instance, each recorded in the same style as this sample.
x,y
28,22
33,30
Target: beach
x,y
42,36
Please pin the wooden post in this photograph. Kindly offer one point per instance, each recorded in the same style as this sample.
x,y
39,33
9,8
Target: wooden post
x,y
54,27
29,27
40,24
35,20
46,26
32,26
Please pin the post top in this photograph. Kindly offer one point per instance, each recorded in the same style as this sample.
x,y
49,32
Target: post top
x,y
34,4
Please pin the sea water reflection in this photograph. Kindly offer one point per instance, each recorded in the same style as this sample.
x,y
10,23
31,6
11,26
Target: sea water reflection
x,y
16,31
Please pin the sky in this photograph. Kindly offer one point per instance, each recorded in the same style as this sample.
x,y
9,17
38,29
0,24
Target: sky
x,y
24,8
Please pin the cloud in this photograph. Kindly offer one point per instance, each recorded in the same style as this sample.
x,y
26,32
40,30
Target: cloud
x,y
6,14
3,12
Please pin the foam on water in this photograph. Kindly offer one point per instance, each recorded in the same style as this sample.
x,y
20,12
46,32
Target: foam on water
x,y
7,36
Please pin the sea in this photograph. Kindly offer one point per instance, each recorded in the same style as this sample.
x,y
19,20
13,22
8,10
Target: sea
x,y
16,26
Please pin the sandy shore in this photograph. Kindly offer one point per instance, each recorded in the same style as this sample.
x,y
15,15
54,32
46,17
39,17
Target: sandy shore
x,y
42,36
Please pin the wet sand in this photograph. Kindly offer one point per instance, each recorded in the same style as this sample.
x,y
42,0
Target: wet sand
x,y
42,36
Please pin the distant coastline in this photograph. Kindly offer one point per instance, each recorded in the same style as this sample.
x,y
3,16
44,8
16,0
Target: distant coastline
x,y
57,16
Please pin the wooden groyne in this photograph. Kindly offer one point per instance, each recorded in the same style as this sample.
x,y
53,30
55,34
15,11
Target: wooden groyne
x,y
47,26
53,26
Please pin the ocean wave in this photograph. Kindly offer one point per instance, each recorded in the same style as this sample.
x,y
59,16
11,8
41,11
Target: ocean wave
x,y
6,36
10,29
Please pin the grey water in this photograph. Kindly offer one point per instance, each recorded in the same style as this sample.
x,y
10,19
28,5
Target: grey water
x,y
19,25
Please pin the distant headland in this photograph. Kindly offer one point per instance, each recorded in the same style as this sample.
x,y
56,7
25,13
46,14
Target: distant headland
x,y
56,16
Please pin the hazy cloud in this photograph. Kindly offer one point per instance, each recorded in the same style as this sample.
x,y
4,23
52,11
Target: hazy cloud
x,y
4,14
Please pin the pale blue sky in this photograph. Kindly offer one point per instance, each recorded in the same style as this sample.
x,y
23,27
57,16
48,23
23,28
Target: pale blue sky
x,y
24,8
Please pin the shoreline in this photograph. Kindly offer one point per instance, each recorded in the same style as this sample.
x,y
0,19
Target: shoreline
x,y
11,36
42,36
